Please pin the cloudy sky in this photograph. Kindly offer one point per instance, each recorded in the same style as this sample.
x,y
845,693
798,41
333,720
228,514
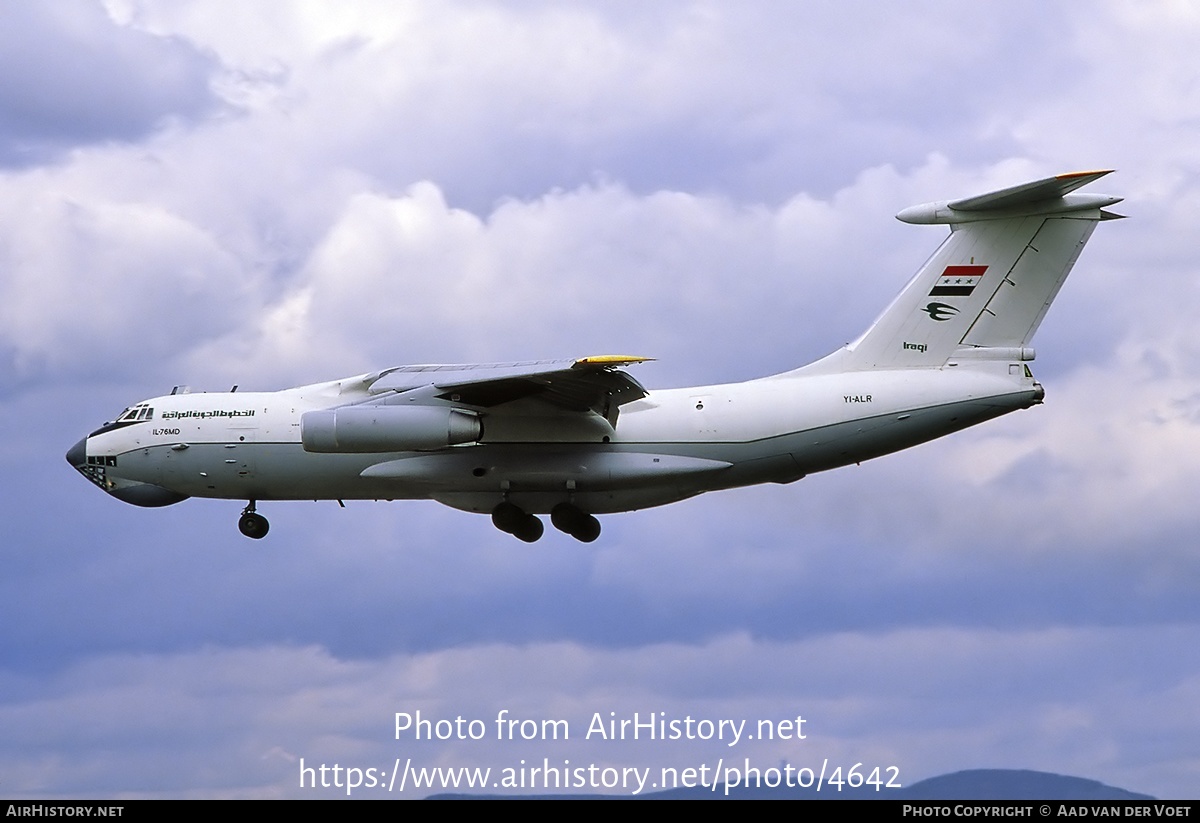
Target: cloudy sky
x,y
271,194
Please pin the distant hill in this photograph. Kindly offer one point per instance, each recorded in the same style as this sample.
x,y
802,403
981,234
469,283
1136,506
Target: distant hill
x,y
1014,784
973,784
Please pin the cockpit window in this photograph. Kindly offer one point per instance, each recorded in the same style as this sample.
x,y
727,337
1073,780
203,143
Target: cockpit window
x,y
136,413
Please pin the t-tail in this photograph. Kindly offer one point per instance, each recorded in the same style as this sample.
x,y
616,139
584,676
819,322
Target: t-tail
x,y
984,292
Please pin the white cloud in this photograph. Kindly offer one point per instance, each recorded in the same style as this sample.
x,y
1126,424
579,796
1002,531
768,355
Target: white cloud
x,y
93,283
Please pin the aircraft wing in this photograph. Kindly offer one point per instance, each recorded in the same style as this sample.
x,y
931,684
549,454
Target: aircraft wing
x,y
595,383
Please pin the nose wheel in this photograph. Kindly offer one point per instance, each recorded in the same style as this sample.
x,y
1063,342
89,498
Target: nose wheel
x,y
253,524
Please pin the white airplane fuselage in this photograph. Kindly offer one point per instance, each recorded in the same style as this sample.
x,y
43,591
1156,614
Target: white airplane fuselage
x,y
577,438
775,429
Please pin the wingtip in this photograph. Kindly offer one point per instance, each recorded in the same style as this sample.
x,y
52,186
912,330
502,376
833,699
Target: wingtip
x,y
610,360
1095,174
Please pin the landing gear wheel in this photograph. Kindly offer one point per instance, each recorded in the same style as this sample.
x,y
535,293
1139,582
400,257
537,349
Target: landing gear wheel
x,y
580,525
253,525
507,517
588,531
531,530
511,518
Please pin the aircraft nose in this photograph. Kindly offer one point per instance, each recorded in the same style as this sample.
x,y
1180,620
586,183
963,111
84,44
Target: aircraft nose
x,y
77,454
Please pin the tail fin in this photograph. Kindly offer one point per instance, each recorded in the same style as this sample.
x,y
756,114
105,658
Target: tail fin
x,y
990,283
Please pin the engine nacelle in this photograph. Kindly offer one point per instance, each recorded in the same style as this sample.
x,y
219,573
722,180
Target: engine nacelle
x,y
364,429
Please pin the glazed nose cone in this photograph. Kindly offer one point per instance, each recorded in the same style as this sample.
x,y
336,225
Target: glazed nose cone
x,y
77,454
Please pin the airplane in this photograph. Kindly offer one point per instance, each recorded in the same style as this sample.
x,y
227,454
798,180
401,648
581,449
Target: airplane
x,y
578,438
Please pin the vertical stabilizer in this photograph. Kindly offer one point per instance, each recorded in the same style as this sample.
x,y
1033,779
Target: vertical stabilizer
x,y
992,280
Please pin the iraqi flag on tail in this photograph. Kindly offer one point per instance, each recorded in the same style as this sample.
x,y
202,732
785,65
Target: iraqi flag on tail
x,y
957,281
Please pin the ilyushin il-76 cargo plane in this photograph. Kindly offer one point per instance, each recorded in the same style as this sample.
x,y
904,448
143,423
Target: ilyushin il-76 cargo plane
x,y
580,438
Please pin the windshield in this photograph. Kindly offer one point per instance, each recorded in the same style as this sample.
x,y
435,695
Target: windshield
x,y
136,414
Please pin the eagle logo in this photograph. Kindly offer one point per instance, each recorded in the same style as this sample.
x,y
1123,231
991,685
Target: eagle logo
x,y
940,311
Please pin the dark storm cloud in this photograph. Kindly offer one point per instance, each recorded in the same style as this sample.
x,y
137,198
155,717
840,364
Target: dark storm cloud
x,y
72,77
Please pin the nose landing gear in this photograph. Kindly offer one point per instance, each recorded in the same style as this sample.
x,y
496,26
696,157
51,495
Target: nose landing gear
x,y
252,524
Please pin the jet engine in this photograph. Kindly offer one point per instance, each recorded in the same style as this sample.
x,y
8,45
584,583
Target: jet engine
x,y
365,429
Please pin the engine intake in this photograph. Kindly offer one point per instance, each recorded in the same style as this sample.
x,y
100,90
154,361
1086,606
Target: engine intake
x,y
364,429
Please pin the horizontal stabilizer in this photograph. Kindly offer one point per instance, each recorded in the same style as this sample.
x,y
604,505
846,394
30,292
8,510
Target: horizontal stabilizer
x,y
1051,195
1048,189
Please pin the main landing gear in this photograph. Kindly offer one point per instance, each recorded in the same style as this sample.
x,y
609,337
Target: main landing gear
x,y
252,524
579,524
510,518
